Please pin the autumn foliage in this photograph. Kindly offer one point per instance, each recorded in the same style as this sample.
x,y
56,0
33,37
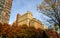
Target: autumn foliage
x,y
8,31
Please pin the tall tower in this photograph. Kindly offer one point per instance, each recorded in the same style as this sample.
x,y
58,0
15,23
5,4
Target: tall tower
x,y
5,7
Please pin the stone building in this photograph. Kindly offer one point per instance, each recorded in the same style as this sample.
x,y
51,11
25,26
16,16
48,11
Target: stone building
x,y
5,7
28,19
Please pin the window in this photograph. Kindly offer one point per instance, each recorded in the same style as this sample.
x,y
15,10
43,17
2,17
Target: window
x,y
0,17
1,5
31,23
0,13
1,10
2,2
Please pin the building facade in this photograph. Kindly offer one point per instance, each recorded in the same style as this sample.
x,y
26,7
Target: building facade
x,y
28,19
5,7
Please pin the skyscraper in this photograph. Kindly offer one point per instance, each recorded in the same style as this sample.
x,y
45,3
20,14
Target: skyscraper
x,y
5,7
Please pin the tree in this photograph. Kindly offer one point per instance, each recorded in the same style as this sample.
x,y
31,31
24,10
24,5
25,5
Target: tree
x,y
52,34
8,31
51,8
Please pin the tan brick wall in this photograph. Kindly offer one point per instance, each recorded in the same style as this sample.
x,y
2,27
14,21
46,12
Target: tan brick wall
x,y
28,19
38,25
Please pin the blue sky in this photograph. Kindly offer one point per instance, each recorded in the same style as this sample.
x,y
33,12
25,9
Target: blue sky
x,y
22,6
